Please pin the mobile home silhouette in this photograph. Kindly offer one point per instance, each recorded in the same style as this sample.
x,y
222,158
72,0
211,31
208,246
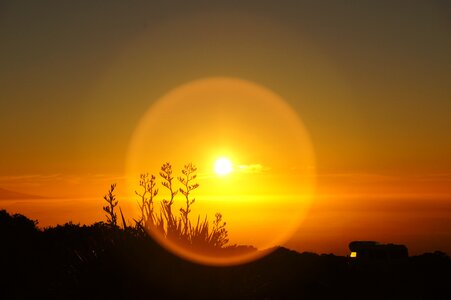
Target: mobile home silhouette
x,y
371,250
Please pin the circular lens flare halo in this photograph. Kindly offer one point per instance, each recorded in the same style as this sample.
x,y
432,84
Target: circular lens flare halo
x,y
263,195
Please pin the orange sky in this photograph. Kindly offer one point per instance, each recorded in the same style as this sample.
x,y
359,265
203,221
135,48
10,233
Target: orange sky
x,y
370,83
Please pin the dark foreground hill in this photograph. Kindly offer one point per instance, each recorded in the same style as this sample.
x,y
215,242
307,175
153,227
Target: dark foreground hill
x,y
100,262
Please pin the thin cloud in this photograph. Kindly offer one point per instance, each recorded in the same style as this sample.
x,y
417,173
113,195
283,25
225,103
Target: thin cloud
x,y
40,179
388,177
252,168
30,177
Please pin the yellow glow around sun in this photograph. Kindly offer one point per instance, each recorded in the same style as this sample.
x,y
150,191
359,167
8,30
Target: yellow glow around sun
x,y
223,166
251,141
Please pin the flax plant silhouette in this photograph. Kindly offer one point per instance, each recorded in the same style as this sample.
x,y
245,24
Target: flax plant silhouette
x,y
202,235
159,217
110,198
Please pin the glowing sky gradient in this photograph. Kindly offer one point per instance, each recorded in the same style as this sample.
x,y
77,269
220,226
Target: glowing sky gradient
x,y
370,80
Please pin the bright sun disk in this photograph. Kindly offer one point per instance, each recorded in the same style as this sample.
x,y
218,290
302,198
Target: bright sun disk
x,y
223,166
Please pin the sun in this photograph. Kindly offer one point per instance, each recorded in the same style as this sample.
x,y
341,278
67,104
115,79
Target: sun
x,y
223,166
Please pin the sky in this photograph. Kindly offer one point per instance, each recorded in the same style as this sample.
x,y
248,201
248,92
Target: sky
x,y
370,81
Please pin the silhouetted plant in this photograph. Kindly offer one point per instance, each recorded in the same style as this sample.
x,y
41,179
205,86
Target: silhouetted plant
x,y
110,198
146,204
189,175
202,236
219,236
178,228
124,223
173,224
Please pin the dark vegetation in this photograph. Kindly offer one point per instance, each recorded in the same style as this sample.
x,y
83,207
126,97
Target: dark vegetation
x,y
105,262
108,261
